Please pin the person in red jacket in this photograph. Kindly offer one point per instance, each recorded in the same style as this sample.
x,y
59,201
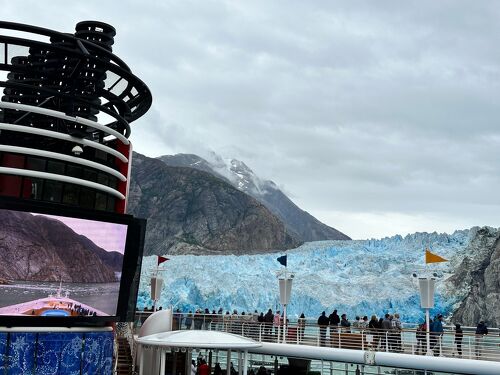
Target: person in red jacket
x,y
203,369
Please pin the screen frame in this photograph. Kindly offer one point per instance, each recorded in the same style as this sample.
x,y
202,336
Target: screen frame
x,y
132,260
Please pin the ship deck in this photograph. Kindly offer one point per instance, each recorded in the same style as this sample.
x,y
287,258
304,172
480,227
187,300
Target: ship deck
x,y
332,346
40,306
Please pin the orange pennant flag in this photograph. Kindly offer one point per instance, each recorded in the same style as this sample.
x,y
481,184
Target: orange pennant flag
x,y
433,258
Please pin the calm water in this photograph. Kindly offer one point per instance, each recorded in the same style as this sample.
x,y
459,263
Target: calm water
x,y
103,296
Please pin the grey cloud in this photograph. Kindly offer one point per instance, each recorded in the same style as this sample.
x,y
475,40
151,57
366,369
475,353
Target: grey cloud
x,y
355,107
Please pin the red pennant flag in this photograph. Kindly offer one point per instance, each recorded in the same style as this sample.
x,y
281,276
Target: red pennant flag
x,y
162,259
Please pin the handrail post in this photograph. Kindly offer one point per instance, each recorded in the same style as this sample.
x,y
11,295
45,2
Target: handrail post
x,y
470,349
441,345
363,339
260,332
386,341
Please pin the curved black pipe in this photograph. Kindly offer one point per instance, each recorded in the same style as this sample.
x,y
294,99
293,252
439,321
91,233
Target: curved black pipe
x,y
68,74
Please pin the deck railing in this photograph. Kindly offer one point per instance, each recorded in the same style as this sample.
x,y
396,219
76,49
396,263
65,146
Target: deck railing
x,y
408,340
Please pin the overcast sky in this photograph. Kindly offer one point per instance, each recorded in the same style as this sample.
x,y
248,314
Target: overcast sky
x,y
108,236
377,117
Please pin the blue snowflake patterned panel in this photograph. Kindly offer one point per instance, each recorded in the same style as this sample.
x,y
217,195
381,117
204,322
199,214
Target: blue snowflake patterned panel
x,y
97,353
21,353
58,353
3,352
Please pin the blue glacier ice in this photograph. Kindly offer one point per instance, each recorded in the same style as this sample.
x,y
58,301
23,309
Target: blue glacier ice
x,y
356,277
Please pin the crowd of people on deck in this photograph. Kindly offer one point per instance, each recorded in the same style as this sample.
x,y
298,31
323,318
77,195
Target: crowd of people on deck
x,y
388,327
201,367
385,332
83,311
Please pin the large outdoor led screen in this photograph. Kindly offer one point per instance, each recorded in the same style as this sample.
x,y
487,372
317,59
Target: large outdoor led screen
x,y
55,266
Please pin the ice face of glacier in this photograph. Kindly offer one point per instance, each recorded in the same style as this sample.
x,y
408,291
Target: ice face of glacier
x,y
356,277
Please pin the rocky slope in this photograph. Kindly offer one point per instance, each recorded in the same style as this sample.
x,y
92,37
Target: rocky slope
x,y
38,248
301,222
305,226
478,276
112,259
192,212
194,161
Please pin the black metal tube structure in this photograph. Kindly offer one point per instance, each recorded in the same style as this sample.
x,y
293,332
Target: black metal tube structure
x,y
65,115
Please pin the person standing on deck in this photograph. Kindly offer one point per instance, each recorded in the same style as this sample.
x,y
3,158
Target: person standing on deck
x,y
345,324
334,321
217,369
189,320
481,332
262,325
323,324
459,336
260,318
203,369
396,332
302,326
268,319
437,330
421,336
386,327
277,323
374,328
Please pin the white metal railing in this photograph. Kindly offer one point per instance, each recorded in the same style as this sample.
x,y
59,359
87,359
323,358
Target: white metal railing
x,y
407,340
60,115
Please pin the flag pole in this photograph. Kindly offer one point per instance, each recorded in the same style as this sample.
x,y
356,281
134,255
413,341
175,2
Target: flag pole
x,y
156,276
430,258
428,332
427,310
158,282
284,307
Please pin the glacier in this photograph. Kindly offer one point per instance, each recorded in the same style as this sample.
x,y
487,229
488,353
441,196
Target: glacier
x,y
361,277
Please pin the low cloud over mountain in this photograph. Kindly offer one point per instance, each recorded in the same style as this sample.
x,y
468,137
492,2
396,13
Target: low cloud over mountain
x,y
305,226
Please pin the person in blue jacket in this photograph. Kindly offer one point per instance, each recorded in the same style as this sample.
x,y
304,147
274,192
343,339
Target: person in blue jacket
x,y
436,332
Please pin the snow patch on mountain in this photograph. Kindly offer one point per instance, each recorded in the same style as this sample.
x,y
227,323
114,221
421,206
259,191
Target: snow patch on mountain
x,y
239,174
356,277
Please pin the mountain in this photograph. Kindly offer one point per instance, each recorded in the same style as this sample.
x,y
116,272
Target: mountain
x,y
479,276
112,259
39,248
356,277
305,226
194,161
192,212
